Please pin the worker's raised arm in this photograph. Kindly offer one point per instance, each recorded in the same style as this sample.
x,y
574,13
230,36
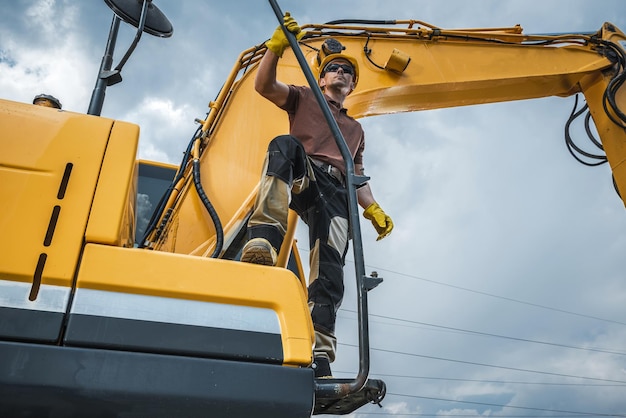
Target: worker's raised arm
x,y
265,82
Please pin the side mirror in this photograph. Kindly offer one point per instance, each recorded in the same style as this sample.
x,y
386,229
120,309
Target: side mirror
x,y
146,17
130,11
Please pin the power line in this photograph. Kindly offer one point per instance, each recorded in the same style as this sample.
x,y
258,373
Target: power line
x,y
513,382
528,408
489,365
536,305
419,414
493,335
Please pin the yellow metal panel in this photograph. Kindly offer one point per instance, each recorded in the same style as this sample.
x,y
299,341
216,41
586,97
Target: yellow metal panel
x,y
112,217
154,273
40,147
441,73
448,74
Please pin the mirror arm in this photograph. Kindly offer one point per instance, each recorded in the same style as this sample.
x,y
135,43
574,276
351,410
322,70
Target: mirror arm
x,y
97,97
131,48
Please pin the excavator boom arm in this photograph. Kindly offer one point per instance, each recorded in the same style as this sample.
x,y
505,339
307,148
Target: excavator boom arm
x,y
404,66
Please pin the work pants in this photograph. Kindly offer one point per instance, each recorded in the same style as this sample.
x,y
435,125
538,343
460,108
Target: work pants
x,y
291,180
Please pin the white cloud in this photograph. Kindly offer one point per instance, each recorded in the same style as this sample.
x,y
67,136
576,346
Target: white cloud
x,y
51,59
50,16
165,128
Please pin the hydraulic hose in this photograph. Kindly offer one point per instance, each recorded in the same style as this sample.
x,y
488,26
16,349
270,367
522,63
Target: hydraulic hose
x,y
197,182
158,212
573,148
361,22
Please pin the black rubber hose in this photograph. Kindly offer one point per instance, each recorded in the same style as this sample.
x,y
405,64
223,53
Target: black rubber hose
x,y
219,231
156,214
360,22
571,146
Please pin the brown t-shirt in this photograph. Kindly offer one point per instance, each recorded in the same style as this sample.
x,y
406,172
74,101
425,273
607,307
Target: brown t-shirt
x,y
307,123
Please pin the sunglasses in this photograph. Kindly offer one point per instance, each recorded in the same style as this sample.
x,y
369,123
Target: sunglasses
x,y
333,68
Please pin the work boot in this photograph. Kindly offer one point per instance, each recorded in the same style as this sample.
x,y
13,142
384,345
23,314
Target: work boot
x,y
259,251
321,366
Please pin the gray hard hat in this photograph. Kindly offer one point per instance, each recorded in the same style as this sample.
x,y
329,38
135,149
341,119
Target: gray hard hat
x,y
43,98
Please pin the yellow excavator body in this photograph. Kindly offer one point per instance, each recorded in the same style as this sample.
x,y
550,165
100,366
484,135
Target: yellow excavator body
x,y
169,321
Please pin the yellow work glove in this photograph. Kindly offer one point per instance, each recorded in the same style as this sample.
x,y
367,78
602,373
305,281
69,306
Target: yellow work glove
x,y
278,41
381,221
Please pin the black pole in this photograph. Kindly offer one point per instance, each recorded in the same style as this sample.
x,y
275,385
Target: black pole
x,y
106,77
97,97
334,390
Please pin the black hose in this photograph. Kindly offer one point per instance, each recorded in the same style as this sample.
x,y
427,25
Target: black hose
x,y
571,146
615,54
368,51
590,134
219,231
360,22
156,214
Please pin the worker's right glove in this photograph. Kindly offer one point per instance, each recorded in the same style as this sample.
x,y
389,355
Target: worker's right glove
x,y
279,42
381,221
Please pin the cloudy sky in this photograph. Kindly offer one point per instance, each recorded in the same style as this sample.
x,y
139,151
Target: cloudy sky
x,y
504,287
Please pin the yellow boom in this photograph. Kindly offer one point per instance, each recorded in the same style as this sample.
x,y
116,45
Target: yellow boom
x,y
407,66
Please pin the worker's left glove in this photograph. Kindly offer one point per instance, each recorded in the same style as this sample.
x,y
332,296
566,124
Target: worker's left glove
x,y
279,42
381,221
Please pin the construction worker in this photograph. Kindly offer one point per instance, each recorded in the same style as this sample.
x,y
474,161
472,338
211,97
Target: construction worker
x,y
47,101
305,171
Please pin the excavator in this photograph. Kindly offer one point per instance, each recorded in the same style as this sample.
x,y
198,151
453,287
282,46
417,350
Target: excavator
x,y
121,289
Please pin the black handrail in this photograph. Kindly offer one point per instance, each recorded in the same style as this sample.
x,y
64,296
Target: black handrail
x,y
330,389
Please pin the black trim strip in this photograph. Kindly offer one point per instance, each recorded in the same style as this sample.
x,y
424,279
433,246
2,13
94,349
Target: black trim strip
x,y
52,225
64,181
39,380
160,337
30,325
41,263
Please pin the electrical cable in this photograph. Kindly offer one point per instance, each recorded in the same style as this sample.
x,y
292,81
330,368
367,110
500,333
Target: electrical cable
x,y
486,334
419,414
471,363
536,305
579,413
379,269
504,382
368,52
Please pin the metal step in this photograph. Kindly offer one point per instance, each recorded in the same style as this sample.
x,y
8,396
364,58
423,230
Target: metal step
x,y
372,392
